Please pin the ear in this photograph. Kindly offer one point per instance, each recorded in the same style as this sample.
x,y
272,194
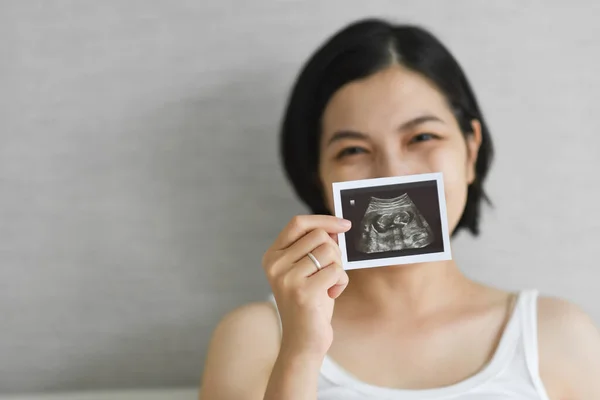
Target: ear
x,y
473,144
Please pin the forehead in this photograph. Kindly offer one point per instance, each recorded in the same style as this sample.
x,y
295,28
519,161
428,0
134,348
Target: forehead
x,y
382,101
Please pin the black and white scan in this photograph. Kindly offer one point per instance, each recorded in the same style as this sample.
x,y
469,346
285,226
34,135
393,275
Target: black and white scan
x,y
391,225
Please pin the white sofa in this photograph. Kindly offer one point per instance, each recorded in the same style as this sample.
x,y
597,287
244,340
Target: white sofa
x,y
156,394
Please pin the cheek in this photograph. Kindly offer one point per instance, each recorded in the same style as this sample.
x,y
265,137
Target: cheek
x,y
454,170
326,183
456,198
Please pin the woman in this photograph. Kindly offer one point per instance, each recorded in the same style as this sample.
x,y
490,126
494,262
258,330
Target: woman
x,y
386,100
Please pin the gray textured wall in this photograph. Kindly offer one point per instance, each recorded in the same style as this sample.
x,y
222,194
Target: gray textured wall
x,y
140,182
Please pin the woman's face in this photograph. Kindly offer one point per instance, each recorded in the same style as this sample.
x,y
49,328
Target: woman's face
x,y
392,123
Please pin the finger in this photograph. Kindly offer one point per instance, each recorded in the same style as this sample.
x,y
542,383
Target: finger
x,y
325,250
300,225
334,236
333,279
336,290
309,243
302,270
325,254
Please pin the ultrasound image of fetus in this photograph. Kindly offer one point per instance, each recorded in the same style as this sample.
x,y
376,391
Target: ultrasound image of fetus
x,y
392,225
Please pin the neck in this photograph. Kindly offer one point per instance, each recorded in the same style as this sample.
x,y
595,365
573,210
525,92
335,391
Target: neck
x,y
418,289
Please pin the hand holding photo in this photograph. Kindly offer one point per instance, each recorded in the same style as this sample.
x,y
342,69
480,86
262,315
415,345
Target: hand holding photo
x,y
397,220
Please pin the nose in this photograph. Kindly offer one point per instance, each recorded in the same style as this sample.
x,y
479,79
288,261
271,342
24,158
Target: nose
x,y
394,164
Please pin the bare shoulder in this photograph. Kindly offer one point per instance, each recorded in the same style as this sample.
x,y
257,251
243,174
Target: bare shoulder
x,y
255,318
241,354
563,321
569,347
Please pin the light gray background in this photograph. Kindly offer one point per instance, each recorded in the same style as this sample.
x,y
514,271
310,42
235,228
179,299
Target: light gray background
x,y
140,182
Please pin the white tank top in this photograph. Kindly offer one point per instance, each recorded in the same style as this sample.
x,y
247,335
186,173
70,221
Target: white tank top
x,y
511,374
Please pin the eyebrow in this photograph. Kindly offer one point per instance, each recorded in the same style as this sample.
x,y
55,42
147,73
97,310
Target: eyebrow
x,y
418,121
346,134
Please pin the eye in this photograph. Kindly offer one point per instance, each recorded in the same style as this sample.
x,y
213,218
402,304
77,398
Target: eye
x,y
423,137
350,151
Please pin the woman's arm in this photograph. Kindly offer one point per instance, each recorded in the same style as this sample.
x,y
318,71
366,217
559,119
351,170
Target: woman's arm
x,y
247,359
242,352
244,359
294,377
569,345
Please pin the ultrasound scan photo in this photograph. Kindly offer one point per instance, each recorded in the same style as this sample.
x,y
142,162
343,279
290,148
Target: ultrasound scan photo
x,y
393,224
395,220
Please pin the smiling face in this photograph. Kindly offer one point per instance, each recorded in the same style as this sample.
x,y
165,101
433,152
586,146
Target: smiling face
x,y
392,123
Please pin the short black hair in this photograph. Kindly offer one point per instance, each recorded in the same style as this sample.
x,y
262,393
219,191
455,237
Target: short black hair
x,y
357,51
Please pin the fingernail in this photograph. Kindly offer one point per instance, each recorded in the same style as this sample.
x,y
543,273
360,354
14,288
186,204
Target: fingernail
x,y
345,223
